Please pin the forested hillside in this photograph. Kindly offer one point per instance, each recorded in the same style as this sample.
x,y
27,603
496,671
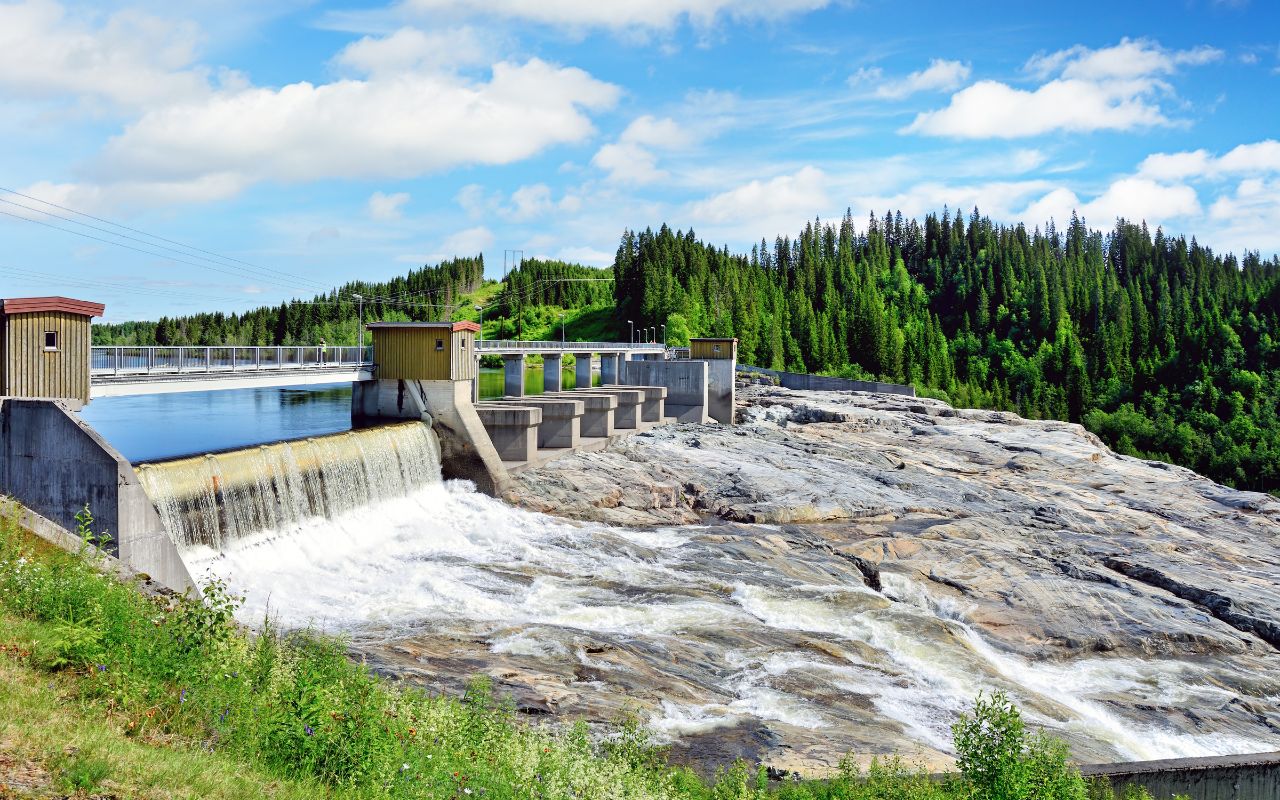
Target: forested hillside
x,y
430,293
1161,346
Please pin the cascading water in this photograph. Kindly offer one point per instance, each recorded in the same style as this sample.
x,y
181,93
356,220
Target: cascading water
x,y
213,500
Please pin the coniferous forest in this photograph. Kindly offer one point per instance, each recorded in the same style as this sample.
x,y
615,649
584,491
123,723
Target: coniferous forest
x,y
1162,347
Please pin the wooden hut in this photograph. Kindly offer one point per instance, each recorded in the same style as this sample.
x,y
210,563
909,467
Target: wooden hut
x,y
425,351
45,346
705,349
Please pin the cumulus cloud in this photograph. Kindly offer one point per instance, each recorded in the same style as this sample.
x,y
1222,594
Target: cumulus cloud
x,y
125,61
763,207
468,242
1245,159
940,75
395,126
631,159
414,50
619,14
386,207
1114,88
1134,198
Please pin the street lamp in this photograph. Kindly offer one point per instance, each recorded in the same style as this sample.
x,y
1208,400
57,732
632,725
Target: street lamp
x,y
653,335
664,335
561,327
360,325
481,310
633,331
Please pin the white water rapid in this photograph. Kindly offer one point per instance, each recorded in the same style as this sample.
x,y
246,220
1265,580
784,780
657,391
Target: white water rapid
x,y
731,646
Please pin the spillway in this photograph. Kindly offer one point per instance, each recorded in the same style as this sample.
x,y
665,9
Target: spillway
x,y
216,499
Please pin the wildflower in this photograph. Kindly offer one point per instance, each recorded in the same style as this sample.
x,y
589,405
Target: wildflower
x,y
182,698
466,791
102,668
404,767
308,730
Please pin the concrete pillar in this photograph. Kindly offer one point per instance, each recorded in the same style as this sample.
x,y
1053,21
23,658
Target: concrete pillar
x,y
609,367
513,374
551,365
582,370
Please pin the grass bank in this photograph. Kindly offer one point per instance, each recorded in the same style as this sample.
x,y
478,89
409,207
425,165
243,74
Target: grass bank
x,y
104,689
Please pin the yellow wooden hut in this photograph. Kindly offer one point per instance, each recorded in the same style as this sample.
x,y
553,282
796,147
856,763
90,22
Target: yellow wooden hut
x,y
45,346
425,351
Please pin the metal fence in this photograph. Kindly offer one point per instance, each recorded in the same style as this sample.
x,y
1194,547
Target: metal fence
x,y
564,347
110,361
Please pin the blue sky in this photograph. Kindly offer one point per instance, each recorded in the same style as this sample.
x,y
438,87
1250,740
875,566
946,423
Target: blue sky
x,y
307,144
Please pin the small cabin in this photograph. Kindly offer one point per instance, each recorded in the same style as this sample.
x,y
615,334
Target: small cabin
x,y
709,349
45,347
425,351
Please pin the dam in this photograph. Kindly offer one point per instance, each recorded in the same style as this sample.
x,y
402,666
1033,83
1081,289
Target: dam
x,y
835,574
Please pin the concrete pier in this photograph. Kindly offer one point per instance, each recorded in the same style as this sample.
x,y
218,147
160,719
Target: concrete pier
x,y
597,414
582,370
653,404
626,416
552,364
512,429
609,367
513,374
561,419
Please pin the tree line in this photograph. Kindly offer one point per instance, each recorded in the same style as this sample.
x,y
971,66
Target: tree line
x,y
1161,346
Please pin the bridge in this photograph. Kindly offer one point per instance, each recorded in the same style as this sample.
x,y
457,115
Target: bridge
x,y
122,370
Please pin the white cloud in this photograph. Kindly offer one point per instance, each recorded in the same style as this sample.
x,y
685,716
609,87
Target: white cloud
x,y
395,126
1245,159
1249,219
1114,88
631,159
940,75
128,60
414,50
530,202
465,243
1133,198
619,14
387,207
764,207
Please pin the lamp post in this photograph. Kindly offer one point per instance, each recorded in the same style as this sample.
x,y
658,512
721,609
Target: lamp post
x,y
561,327
664,334
633,331
360,325
653,334
481,310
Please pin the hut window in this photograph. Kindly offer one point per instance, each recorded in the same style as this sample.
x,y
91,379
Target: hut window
x,y
715,348
50,340
439,344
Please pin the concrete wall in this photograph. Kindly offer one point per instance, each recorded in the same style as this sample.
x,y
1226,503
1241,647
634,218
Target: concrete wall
x,y
821,383
1247,777
54,463
465,450
721,377
686,383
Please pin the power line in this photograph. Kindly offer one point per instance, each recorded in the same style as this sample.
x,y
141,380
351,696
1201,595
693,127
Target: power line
x,y
144,233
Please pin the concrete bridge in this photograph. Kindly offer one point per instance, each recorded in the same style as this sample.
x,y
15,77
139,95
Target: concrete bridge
x,y
124,370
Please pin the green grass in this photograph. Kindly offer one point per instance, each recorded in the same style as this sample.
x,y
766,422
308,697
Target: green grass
x,y
101,686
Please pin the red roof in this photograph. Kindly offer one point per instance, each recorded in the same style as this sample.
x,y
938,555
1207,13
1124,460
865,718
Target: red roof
x,y
466,325
36,305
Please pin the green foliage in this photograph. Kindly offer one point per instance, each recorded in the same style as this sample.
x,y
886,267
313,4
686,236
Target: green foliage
x,y
999,760
81,772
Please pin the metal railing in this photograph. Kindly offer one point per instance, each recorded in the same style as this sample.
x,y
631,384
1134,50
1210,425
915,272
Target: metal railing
x,y
567,347
122,361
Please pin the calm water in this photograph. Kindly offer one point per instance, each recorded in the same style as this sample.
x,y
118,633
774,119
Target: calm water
x,y
160,426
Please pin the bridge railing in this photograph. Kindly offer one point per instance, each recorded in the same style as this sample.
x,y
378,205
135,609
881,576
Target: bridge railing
x,y
116,361
564,347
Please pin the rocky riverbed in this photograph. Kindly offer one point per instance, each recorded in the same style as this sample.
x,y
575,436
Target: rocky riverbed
x,y
838,573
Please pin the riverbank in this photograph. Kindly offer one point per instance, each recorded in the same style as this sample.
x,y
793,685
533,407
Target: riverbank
x,y
106,691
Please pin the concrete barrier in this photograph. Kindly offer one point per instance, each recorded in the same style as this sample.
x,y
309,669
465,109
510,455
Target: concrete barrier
x,y
626,416
561,419
685,382
802,381
512,429
55,463
1247,777
652,406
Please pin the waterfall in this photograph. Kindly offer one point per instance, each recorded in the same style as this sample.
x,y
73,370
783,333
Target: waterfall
x,y
216,499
